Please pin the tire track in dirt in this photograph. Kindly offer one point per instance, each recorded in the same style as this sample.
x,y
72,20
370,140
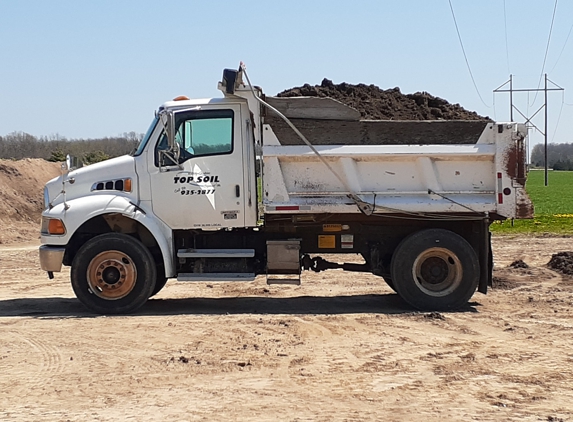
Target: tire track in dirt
x,y
508,357
513,366
46,360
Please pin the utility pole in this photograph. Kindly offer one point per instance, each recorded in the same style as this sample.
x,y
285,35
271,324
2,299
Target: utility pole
x,y
528,119
545,134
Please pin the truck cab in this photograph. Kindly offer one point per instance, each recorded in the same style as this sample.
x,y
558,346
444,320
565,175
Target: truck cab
x,y
205,179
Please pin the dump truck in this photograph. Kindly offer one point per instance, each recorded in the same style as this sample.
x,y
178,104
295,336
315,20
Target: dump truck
x,y
212,194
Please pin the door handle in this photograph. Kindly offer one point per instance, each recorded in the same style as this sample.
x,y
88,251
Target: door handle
x,y
237,191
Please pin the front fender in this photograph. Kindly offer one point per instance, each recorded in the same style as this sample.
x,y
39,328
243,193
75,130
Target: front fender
x,y
77,211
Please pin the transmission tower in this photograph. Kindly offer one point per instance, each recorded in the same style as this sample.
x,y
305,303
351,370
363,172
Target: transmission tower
x,y
528,121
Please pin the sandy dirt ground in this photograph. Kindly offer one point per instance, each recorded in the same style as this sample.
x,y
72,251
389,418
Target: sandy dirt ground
x,y
341,346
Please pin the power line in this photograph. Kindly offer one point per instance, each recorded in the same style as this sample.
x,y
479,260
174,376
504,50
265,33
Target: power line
x,y
546,51
465,56
506,43
563,49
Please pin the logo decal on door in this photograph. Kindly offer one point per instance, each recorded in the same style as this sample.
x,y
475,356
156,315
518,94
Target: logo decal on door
x,y
196,183
203,178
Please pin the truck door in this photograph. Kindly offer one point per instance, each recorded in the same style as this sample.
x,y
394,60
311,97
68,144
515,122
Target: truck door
x,y
206,190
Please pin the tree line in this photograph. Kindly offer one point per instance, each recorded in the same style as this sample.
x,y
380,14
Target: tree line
x,y
559,156
18,145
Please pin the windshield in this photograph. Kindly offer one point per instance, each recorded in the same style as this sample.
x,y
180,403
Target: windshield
x,y
143,142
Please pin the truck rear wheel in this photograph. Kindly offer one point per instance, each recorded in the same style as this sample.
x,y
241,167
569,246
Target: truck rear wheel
x,y
435,269
113,273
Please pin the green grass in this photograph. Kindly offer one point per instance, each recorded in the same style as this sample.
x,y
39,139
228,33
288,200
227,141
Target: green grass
x,y
553,205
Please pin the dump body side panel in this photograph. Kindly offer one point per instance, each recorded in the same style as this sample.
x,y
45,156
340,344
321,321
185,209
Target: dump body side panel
x,y
468,178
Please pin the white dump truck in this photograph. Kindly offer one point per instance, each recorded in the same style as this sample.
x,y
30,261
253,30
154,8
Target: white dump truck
x,y
213,194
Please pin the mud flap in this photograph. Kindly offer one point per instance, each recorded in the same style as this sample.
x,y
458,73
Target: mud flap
x,y
486,259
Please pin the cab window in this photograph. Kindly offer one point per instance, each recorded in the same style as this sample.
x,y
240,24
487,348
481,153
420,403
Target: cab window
x,y
201,133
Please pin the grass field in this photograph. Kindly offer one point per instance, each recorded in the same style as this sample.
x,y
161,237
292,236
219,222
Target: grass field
x,y
553,205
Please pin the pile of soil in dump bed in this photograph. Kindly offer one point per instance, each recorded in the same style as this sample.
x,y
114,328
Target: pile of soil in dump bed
x,y
374,103
562,262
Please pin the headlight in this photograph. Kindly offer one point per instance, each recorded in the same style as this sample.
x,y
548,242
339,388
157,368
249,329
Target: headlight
x,y
46,198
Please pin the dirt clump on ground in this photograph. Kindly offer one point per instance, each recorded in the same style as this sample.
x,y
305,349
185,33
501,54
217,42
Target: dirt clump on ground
x,y
503,283
518,264
375,103
562,262
21,197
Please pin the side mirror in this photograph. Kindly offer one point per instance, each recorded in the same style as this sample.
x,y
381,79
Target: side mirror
x,y
71,163
170,156
171,129
167,118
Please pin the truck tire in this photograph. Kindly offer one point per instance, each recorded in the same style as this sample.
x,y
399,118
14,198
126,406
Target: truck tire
x,y
435,269
113,273
160,281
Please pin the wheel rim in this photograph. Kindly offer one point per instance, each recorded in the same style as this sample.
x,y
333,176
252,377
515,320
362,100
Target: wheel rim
x,y
111,275
437,272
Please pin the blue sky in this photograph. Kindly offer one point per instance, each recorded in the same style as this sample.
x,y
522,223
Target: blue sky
x,y
85,69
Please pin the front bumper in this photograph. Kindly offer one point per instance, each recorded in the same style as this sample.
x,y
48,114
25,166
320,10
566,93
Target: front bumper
x,y
51,258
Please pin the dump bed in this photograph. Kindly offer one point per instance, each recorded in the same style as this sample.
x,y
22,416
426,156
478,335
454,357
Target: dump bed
x,y
485,177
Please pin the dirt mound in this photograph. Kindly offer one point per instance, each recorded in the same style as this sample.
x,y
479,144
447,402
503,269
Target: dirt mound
x,y
374,103
518,264
504,283
21,197
562,262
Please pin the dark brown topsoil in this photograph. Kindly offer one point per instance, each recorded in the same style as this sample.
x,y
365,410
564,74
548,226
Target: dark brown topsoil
x,y
518,264
562,262
374,103
504,283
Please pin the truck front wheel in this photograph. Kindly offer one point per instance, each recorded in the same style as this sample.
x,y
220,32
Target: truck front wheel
x,y
113,273
160,281
435,269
